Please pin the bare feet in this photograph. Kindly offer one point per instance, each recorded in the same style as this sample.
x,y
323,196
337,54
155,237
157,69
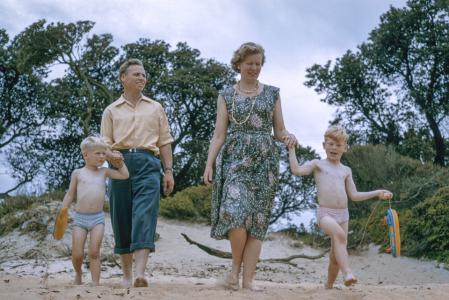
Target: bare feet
x,y
140,282
231,282
350,280
252,287
328,286
126,282
78,279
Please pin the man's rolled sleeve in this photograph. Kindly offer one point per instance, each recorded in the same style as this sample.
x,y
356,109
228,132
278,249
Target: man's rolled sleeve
x,y
164,131
106,130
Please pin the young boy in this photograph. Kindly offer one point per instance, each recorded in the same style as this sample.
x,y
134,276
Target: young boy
x,y
334,185
88,186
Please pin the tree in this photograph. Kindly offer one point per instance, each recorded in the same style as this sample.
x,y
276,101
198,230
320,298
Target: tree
x,y
78,97
24,107
396,85
295,193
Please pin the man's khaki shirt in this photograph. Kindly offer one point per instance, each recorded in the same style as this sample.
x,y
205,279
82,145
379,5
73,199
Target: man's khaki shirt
x,y
143,126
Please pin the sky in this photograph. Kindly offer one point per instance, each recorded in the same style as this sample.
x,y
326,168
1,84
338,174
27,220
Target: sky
x,y
295,34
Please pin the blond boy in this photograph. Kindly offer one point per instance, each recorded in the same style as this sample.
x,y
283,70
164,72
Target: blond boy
x,y
88,187
334,185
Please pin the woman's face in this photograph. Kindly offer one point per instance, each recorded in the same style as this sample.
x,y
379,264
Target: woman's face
x,y
250,67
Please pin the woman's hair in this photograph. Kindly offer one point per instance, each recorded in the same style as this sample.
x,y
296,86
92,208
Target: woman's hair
x,y
92,142
245,50
337,133
128,63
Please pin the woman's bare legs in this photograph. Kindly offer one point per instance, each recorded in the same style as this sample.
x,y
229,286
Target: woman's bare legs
x,y
251,256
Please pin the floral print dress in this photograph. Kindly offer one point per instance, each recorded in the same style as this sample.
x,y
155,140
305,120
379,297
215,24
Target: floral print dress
x,y
247,166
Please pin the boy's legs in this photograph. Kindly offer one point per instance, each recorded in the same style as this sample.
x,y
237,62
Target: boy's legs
x,y
96,236
338,234
78,240
332,270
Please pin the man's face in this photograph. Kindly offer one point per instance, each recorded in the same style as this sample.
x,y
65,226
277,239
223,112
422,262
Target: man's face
x,y
335,148
134,78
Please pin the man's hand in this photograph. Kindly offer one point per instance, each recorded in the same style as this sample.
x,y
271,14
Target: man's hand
x,y
168,182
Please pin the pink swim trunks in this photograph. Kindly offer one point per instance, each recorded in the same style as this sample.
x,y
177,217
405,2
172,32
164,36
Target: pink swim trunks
x,y
340,215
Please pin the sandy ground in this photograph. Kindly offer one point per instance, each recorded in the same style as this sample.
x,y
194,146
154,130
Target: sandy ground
x,y
178,270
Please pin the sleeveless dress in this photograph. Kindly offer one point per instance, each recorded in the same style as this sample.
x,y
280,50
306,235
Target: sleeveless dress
x,y
247,166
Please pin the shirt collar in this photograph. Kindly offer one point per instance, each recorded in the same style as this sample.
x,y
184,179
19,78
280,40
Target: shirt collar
x,y
122,100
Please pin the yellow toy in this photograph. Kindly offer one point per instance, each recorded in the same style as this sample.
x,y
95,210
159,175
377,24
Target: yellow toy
x,y
61,223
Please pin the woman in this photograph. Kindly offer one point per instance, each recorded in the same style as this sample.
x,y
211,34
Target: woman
x,y
247,162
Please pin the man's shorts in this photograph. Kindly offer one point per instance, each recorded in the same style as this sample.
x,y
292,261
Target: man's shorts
x,y
134,203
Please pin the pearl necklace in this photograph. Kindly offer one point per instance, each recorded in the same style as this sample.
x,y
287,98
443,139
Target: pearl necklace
x,y
255,89
250,111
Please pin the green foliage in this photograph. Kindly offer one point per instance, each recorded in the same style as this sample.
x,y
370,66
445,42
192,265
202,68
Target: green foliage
x,y
394,89
427,230
22,202
295,193
421,199
376,167
192,203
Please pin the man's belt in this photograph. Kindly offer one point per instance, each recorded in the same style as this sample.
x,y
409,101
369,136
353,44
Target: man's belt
x,y
137,150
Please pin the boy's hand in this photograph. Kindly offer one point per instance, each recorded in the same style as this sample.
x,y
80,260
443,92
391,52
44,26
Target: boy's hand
x,y
116,159
290,140
385,195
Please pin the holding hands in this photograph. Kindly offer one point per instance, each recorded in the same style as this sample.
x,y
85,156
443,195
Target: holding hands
x,y
290,140
115,158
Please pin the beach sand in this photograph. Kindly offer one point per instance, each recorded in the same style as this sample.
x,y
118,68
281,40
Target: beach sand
x,y
31,269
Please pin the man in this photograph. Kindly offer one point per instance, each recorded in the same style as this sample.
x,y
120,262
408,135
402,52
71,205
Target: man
x,y
136,126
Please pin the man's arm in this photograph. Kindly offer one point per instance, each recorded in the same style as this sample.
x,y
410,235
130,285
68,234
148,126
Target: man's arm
x,y
167,163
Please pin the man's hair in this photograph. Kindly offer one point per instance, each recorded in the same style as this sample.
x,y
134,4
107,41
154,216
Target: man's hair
x,y
244,51
128,63
92,142
337,133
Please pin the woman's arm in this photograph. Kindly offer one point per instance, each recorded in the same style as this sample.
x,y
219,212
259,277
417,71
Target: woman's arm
x,y
280,132
221,126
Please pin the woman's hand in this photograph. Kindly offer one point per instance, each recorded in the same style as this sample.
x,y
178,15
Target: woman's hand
x,y
290,140
208,174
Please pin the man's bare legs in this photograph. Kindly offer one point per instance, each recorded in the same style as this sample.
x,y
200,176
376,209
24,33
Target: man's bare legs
x,y
238,238
250,258
339,254
141,258
78,240
96,236
127,269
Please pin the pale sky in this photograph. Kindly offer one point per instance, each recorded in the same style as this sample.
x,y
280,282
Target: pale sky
x,y
295,34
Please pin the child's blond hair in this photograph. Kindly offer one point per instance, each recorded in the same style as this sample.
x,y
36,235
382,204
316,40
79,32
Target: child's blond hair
x,y
92,142
336,133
